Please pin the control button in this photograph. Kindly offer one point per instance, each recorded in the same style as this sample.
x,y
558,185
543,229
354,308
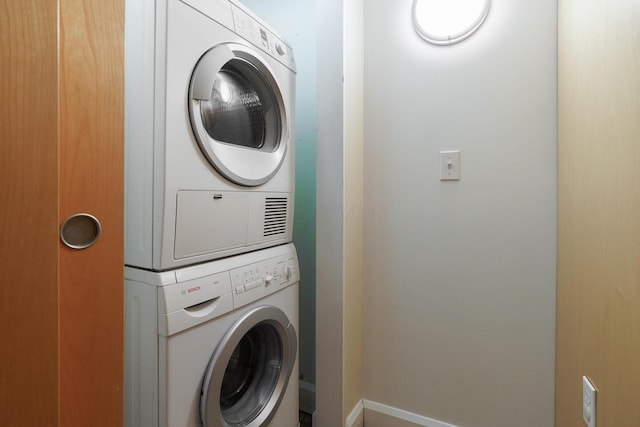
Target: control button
x,y
239,289
288,272
279,49
251,285
267,279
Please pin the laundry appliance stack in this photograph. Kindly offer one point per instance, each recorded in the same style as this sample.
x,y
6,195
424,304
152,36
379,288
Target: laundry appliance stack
x,y
211,275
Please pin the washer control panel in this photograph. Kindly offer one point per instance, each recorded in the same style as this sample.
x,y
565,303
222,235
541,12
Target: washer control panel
x,y
257,280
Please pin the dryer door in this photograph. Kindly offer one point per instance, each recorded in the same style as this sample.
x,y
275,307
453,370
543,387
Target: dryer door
x,y
248,373
238,114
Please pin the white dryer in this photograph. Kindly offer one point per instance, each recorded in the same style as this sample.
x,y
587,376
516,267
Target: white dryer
x,y
215,344
209,133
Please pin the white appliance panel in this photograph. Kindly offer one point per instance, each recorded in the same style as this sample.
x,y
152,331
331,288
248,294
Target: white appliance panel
x,y
165,40
176,320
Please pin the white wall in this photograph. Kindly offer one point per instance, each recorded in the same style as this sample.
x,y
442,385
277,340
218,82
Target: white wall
x,y
353,199
330,217
459,294
340,198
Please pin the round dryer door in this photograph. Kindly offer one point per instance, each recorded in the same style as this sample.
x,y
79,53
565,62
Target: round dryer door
x,y
248,373
238,114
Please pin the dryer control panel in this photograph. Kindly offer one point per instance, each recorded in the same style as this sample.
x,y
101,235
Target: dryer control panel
x,y
262,37
257,280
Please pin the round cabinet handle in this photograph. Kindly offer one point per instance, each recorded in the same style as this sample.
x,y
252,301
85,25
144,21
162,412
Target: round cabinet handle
x,y
80,231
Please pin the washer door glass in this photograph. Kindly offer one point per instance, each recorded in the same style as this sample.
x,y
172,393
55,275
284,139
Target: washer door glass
x,y
238,115
248,373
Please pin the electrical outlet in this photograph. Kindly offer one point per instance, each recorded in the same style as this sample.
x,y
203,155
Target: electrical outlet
x,y
588,402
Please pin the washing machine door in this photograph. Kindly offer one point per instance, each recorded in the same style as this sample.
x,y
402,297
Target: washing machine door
x,y
248,373
238,114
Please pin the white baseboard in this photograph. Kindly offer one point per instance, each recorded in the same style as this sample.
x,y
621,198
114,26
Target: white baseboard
x,y
307,397
356,417
401,414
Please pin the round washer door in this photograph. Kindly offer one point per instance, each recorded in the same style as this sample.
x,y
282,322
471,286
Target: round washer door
x,y
238,114
248,373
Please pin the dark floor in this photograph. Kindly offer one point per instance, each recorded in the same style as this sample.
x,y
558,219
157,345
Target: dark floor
x,y
305,419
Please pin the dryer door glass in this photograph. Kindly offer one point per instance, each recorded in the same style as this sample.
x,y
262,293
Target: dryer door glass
x,y
248,373
242,109
238,113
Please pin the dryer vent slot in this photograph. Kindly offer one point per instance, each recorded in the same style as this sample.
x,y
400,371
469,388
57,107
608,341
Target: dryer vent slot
x,y
275,216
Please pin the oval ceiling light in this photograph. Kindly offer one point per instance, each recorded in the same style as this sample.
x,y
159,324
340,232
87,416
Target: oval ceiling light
x,y
445,22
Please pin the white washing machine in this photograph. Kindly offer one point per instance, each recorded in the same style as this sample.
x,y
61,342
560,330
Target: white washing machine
x,y
215,344
209,133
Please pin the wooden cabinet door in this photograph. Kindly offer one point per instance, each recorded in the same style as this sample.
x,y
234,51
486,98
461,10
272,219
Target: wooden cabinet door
x,y
598,299
61,153
92,180
28,213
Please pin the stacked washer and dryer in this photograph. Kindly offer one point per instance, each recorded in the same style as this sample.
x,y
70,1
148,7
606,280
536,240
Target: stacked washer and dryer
x,y
211,275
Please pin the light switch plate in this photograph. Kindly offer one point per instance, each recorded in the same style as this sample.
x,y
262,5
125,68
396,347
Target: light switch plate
x,y
588,402
449,165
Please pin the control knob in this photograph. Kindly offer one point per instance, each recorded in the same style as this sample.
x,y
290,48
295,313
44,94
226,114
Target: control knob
x,y
267,279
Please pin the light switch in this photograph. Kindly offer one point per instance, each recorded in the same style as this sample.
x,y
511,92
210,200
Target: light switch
x,y
588,402
449,165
